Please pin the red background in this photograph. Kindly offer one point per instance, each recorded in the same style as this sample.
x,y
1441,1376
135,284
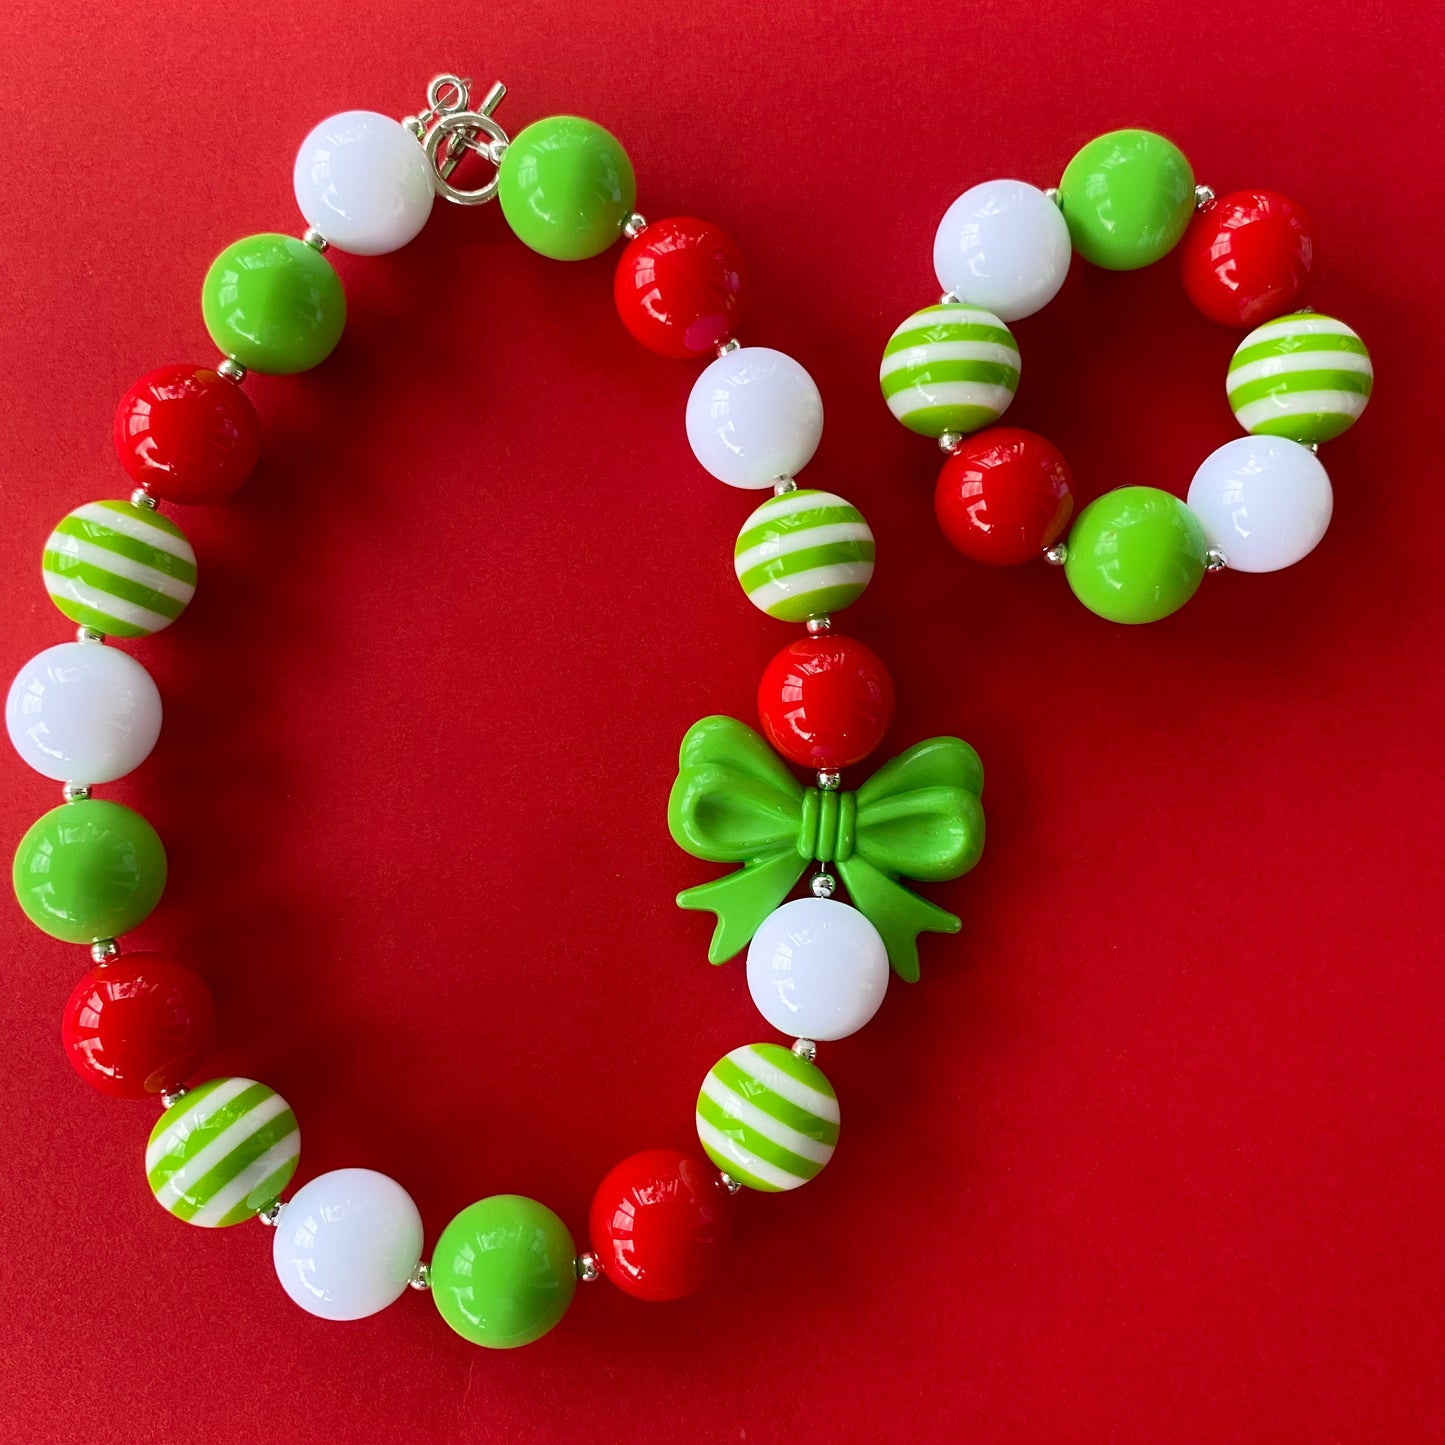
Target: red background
x,y
1154,1150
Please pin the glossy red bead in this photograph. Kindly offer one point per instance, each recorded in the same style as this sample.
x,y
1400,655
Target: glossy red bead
x,y
138,1025
1246,258
678,287
825,702
187,434
1004,495
659,1223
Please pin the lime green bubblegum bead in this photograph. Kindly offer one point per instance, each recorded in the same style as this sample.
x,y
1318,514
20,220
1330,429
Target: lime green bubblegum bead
x,y
566,186
504,1271
89,870
274,304
1127,197
1135,555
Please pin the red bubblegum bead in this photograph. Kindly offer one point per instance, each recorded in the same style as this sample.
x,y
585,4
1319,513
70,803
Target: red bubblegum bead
x,y
1246,257
1003,496
187,434
138,1025
658,1224
678,287
825,702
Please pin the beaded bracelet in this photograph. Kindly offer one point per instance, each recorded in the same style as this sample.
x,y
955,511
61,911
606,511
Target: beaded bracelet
x,y
1005,495
349,1242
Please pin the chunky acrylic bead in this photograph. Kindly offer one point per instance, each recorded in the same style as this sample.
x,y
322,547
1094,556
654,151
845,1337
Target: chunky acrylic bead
x,y
89,870
274,304
1306,377
187,434
1003,245
825,702
658,1224
138,1026
1135,555
767,1117
817,969
566,186
222,1152
804,554
1003,496
1264,502
83,713
1127,198
364,182
753,416
949,368
504,1271
678,287
119,569
347,1244
1247,257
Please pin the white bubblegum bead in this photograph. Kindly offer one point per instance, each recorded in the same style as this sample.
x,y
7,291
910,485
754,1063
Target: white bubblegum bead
x,y
83,712
347,1244
1003,245
364,182
1263,501
817,969
753,416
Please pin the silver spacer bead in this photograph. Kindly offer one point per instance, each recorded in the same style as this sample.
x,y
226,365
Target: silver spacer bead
x,y
1057,555
821,885
270,1216
805,1049
728,1182
420,1277
1215,560
726,348
828,779
783,485
142,498
819,625
315,239
1052,193
172,1096
103,950
1203,196
232,370
634,225
75,792
1314,447
587,1267
947,440
88,634
948,299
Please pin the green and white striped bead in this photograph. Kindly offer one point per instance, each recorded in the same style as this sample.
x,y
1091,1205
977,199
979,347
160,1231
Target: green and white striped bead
x,y
119,569
803,554
223,1151
1306,377
767,1117
950,368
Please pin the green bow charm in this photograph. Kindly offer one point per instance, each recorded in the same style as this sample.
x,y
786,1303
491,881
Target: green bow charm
x,y
735,801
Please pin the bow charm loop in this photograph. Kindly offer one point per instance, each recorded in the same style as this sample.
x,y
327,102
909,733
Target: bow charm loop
x,y
918,816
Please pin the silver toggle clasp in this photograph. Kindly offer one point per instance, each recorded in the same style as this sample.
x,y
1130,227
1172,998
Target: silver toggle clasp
x,y
448,128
